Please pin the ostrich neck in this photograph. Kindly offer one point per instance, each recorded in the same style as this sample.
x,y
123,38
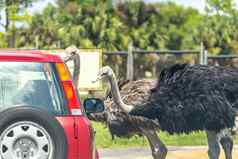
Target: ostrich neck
x,y
117,96
76,71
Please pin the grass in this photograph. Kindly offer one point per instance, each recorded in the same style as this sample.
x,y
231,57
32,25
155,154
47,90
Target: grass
x,y
103,139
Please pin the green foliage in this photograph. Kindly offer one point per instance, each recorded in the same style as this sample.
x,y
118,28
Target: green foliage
x,y
99,24
3,43
14,11
96,24
221,6
219,33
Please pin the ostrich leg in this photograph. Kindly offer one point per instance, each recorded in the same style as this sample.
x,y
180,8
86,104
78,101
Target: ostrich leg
x,y
213,145
227,141
159,150
227,145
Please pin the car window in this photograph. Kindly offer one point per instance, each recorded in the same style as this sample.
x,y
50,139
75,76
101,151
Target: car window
x,y
30,84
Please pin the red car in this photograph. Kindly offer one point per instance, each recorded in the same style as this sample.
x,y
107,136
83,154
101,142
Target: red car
x,y
40,112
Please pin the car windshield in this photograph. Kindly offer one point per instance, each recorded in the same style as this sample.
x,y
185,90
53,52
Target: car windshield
x,y
30,84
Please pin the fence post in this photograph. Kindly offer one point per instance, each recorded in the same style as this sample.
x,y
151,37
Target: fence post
x,y
205,57
59,44
37,42
130,63
201,54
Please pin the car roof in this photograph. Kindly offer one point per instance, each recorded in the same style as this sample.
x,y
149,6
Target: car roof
x,y
28,56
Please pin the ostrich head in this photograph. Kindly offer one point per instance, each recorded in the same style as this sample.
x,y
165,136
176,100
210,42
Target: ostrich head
x,y
105,73
108,74
71,53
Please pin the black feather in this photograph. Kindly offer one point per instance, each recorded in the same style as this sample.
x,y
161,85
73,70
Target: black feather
x,y
191,98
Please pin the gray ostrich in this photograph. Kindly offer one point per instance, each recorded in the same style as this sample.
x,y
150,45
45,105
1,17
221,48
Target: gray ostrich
x,y
72,54
186,99
121,124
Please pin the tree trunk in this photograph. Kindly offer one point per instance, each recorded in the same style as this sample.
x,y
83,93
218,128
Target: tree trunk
x,y
7,25
13,37
11,33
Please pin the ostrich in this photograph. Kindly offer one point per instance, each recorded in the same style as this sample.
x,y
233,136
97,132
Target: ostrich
x,y
118,122
186,99
121,124
72,54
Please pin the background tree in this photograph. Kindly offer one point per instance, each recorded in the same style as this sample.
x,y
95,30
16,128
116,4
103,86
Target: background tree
x,y
99,24
15,11
220,22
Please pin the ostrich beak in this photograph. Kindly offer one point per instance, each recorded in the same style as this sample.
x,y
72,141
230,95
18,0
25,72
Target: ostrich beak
x,y
68,58
101,74
99,78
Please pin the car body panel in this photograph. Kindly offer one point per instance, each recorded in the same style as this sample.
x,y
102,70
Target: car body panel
x,y
80,137
86,149
68,123
28,56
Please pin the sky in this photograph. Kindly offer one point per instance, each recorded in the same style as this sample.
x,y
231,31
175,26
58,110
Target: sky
x,y
199,4
40,5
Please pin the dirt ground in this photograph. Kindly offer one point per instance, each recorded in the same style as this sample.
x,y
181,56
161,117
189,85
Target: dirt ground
x,y
174,153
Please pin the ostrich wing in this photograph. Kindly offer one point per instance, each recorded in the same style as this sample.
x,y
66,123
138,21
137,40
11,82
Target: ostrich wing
x,y
133,93
190,98
137,92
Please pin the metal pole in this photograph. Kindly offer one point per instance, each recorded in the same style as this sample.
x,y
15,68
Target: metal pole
x,y
130,63
58,44
205,57
201,54
174,52
37,42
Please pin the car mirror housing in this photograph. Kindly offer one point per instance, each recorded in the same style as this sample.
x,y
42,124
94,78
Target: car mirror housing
x,y
93,105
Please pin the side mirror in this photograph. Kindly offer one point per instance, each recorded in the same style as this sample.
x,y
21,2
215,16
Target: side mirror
x,y
93,105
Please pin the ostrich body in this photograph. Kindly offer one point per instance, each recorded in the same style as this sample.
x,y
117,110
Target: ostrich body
x,y
192,98
186,99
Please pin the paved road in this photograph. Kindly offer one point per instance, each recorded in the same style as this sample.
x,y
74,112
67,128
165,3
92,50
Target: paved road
x,y
174,153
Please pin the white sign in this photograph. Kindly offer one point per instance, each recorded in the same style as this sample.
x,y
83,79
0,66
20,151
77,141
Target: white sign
x,y
90,63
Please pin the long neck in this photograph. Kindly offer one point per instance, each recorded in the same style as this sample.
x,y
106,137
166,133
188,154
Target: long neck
x,y
117,96
76,71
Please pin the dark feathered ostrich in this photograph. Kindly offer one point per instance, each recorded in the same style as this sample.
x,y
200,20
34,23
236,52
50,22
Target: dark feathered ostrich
x,y
189,98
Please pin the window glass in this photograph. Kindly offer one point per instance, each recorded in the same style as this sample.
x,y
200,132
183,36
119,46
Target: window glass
x,y
30,84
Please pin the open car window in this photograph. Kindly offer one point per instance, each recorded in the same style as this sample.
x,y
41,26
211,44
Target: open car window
x,y
30,84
